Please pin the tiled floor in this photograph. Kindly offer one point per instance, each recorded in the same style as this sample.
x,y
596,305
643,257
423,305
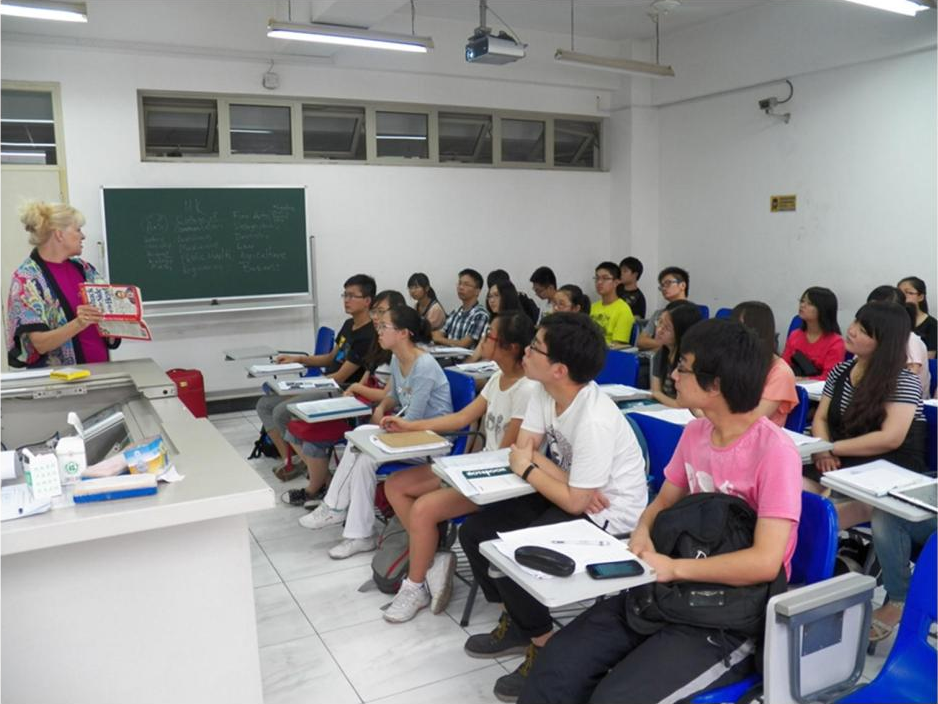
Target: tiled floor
x,y
321,639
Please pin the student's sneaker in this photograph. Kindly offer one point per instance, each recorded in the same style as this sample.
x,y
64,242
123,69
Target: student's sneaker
x,y
322,517
409,599
352,546
503,640
300,497
508,687
440,580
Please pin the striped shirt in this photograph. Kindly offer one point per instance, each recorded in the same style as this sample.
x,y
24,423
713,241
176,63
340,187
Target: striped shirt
x,y
462,323
908,389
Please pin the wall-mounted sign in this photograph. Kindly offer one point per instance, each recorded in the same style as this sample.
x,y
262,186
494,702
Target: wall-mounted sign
x,y
782,204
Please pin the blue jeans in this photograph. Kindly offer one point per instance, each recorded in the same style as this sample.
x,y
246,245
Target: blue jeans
x,y
893,540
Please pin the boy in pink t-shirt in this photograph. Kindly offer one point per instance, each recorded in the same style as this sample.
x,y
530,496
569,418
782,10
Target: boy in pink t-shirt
x,y
732,450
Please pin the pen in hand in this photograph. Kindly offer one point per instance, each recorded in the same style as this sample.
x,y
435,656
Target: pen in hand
x,y
580,542
401,412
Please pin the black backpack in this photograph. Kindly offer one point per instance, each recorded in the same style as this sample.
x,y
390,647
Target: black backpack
x,y
696,527
263,447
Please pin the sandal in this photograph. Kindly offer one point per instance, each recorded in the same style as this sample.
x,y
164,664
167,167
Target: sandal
x,y
286,472
300,497
880,631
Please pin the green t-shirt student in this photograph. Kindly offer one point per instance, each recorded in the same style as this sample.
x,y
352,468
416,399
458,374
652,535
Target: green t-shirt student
x,y
610,312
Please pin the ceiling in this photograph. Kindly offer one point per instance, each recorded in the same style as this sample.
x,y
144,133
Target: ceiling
x,y
238,26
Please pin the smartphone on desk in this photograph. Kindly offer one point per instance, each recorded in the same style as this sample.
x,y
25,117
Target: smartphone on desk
x,y
615,570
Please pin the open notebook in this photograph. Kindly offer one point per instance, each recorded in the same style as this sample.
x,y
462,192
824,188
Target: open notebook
x,y
877,478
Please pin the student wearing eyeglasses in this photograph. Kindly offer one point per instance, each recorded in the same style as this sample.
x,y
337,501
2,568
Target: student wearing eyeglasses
x,y
610,312
674,285
344,364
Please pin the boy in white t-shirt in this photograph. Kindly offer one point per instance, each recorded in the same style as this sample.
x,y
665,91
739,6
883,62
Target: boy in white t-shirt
x,y
733,450
595,471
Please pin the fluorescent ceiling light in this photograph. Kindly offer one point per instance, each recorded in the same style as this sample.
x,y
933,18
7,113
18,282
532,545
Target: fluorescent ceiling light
x,y
61,11
27,121
348,36
603,63
245,130
909,8
402,136
26,144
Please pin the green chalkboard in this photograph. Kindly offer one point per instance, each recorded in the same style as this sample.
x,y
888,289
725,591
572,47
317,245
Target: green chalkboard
x,y
184,244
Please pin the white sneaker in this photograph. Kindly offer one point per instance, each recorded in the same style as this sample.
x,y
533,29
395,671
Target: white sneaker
x,y
322,517
440,580
352,546
407,602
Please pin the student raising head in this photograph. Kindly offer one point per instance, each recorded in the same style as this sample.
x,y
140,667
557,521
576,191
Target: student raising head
x,y
916,352
733,450
417,495
779,395
419,389
571,299
817,347
925,325
674,321
425,300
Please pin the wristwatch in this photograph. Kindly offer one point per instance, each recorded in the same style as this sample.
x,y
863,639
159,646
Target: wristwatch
x,y
530,468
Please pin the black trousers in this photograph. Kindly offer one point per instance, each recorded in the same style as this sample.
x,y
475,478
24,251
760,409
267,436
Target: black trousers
x,y
597,658
530,616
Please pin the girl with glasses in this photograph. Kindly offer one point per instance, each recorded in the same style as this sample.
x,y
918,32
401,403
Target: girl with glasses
x,y
419,388
671,325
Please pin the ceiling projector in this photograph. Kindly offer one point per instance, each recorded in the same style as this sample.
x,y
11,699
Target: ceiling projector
x,y
485,48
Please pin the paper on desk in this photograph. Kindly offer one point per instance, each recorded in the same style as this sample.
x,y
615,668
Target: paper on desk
x,y
376,441
276,368
456,465
800,438
583,555
814,388
878,477
320,382
18,502
443,350
477,367
678,416
931,402
170,475
623,391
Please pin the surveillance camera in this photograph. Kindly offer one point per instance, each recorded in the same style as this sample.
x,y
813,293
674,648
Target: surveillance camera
x,y
768,103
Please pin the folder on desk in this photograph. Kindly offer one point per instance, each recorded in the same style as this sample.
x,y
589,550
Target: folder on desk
x,y
329,409
477,367
877,478
312,384
480,473
274,369
414,441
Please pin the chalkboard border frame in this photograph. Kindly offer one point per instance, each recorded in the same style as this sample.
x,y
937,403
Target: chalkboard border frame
x,y
212,303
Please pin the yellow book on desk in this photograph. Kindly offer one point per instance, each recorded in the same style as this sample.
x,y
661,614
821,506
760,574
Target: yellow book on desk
x,y
69,373
410,441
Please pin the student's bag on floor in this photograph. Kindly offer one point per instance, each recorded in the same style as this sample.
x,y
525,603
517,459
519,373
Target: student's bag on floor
x,y
700,526
391,560
263,447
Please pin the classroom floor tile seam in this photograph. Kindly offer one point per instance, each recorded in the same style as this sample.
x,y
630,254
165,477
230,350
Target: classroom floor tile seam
x,y
488,664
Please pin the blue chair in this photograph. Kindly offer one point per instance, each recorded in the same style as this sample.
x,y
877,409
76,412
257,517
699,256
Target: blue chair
x,y
798,418
812,562
661,438
933,370
910,673
723,314
325,341
621,368
704,311
931,419
795,325
462,390
636,330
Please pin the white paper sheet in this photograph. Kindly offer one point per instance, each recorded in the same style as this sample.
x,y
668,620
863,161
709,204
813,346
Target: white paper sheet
x,y
800,438
678,416
582,554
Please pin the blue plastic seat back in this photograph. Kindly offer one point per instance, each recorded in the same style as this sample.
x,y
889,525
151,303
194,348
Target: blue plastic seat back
x,y
637,328
795,325
325,341
910,673
798,418
704,311
621,368
931,420
816,550
723,314
462,392
661,438
933,383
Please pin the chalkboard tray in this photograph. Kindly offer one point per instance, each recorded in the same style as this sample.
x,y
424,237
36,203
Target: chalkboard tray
x,y
191,244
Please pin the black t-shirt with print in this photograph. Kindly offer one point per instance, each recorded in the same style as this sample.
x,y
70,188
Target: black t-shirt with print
x,y
353,346
635,299
928,331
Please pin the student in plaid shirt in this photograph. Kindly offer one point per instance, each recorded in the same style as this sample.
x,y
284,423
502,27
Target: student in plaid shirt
x,y
464,325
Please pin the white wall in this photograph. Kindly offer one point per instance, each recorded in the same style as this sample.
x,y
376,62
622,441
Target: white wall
x,y
859,154
384,220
